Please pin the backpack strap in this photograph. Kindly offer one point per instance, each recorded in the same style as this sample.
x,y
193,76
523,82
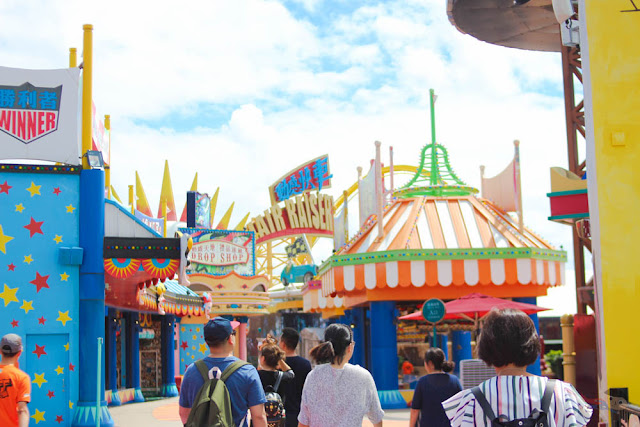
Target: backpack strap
x,y
202,367
232,368
548,394
482,401
278,379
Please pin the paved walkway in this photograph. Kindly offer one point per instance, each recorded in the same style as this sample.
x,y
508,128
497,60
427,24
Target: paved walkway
x,y
164,413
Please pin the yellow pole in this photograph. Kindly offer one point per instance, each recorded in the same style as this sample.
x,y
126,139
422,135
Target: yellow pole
x,y
568,349
133,208
87,75
107,168
270,263
73,57
164,215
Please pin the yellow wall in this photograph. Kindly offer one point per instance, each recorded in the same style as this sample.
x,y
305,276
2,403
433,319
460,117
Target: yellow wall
x,y
611,61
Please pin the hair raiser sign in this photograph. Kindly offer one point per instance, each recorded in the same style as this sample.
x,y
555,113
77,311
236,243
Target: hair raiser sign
x,y
219,252
39,114
28,112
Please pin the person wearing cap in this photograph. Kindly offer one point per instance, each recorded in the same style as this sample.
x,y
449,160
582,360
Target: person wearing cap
x,y
244,385
15,385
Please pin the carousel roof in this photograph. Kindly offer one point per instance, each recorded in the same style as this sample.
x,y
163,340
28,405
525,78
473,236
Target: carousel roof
x,y
436,232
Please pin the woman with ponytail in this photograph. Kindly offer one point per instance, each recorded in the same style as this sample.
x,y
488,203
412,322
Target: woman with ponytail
x,y
433,389
337,393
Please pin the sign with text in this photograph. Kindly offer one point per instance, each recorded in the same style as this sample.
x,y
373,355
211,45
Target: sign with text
x,y
433,310
156,224
220,252
310,214
313,175
39,115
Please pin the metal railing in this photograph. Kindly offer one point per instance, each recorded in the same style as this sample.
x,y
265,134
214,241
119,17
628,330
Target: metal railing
x,y
623,413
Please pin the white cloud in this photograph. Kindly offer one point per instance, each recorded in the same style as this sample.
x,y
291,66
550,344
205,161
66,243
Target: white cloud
x,y
294,91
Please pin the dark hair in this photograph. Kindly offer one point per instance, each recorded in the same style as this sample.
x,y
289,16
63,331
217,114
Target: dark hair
x,y
272,354
337,338
436,356
508,336
290,337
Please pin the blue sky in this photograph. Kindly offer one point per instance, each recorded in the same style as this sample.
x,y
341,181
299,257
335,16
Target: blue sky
x,y
243,91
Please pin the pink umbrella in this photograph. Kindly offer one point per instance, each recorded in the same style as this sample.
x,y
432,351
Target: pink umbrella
x,y
474,307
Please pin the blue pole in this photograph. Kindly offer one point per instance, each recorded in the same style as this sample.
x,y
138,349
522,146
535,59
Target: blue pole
x,y
357,322
384,354
169,388
534,368
384,345
112,357
91,307
460,348
134,356
443,340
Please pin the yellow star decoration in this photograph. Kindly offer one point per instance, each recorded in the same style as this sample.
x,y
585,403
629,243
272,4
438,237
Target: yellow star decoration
x,y
183,329
203,349
34,189
38,416
27,306
64,277
4,239
8,295
59,370
70,209
58,239
28,259
64,317
66,347
70,405
19,208
39,380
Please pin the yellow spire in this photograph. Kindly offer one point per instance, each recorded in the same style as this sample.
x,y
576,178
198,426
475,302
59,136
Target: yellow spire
x,y
167,194
194,187
141,203
214,203
242,223
224,222
115,195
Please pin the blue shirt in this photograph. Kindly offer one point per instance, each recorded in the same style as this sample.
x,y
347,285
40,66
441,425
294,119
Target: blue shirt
x,y
431,391
245,388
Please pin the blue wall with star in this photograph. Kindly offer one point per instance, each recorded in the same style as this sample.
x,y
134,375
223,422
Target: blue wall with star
x,y
191,344
39,296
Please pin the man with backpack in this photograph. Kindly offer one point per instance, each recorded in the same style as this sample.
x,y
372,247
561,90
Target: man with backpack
x,y
230,385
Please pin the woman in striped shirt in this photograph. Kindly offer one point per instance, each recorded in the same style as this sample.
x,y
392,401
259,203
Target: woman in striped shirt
x,y
509,342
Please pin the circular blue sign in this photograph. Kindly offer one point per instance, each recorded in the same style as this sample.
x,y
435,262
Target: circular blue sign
x,y
433,310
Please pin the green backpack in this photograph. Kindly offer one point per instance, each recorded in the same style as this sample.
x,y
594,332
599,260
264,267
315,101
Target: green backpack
x,y
212,405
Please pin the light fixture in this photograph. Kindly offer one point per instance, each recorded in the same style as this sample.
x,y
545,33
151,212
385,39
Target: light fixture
x,y
94,158
520,2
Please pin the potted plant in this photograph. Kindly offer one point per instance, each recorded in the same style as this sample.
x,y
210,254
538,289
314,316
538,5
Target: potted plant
x,y
554,360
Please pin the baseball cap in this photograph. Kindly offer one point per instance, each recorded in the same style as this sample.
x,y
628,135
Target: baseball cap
x,y
11,343
218,329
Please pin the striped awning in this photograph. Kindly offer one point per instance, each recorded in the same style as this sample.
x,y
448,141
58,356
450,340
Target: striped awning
x,y
314,301
444,272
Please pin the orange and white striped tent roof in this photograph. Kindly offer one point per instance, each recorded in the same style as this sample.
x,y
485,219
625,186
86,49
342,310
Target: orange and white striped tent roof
x,y
441,247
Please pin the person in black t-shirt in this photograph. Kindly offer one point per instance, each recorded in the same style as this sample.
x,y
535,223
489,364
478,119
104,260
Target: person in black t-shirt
x,y
301,366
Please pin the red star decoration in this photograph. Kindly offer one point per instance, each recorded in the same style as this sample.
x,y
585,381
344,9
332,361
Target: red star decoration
x,y
42,320
14,323
71,367
39,351
184,345
34,227
59,419
40,282
4,188
51,394
57,191
11,267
